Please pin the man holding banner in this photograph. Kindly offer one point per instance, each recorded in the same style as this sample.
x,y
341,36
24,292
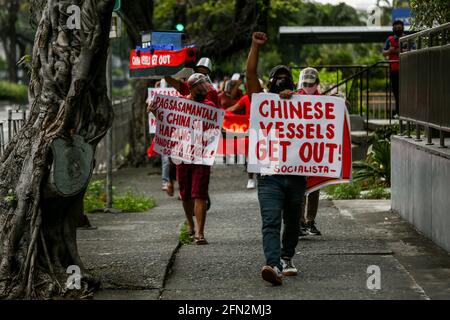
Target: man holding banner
x,y
289,140
188,130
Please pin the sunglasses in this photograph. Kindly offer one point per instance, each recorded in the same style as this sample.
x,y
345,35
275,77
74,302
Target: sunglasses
x,y
308,85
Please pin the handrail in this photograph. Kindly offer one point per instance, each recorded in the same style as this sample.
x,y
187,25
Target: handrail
x,y
358,74
425,32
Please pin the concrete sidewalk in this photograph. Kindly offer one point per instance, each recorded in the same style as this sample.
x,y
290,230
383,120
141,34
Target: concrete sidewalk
x,y
130,252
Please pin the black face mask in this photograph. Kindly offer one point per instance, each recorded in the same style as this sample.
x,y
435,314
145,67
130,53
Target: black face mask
x,y
281,84
199,97
398,33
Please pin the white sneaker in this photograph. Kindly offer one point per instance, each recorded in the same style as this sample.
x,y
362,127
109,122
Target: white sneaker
x,y
272,275
251,184
164,186
289,269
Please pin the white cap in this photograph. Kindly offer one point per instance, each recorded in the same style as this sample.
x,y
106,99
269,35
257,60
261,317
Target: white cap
x,y
235,76
196,78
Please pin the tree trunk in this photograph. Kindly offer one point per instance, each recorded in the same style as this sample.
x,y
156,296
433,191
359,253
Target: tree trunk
x,y
68,100
137,16
8,35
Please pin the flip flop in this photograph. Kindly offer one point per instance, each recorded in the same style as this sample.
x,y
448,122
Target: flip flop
x,y
200,241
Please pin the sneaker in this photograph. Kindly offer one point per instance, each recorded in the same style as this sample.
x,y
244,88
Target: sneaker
x,y
272,275
251,184
164,186
312,230
302,232
289,269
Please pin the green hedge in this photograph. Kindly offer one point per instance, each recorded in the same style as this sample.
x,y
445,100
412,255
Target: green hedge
x,y
13,92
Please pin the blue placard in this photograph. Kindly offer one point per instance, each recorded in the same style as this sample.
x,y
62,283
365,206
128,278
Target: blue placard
x,y
173,39
402,14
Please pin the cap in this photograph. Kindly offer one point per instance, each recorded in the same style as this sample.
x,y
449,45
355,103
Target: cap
x,y
196,78
308,75
205,62
235,76
278,69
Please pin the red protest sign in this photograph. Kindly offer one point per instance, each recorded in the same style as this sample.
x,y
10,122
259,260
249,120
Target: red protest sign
x,y
157,63
186,130
300,136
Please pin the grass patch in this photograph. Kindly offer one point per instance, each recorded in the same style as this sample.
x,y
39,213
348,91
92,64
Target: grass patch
x,y
184,237
377,193
13,92
357,190
344,191
95,199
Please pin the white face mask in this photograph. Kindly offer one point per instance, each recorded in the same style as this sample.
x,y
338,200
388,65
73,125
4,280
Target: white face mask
x,y
310,90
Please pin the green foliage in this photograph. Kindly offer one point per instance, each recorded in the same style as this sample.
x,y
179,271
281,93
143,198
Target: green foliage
x,y
385,132
428,13
376,168
131,202
378,192
184,237
3,64
343,191
95,199
10,199
13,92
126,91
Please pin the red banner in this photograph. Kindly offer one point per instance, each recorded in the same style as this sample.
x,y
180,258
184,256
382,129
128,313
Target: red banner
x,y
154,63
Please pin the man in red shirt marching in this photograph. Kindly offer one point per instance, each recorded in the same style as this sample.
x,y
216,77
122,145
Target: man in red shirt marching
x,y
193,179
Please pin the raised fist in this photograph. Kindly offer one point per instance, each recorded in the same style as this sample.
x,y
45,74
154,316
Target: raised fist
x,y
259,38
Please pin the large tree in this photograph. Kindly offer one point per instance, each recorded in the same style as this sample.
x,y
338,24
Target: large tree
x,y
9,12
69,113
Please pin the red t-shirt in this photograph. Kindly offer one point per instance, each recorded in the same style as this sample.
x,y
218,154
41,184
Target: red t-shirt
x,y
212,94
245,101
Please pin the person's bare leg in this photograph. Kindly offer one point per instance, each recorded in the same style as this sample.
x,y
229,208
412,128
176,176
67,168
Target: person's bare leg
x,y
188,207
200,216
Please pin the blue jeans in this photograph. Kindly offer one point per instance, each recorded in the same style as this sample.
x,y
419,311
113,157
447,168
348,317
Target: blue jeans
x,y
165,168
280,198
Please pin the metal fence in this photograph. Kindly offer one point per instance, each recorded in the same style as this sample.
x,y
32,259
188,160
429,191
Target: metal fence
x,y
366,87
10,126
16,117
121,136
425,82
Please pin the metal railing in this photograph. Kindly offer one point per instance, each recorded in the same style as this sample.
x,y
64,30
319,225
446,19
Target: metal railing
x,y
425,83
10,126
358,89
121,128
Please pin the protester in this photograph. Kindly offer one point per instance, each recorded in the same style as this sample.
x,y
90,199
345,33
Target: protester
x,y
231,92
392,52
243,107
280,196
308,84
204,66
193,179
166,182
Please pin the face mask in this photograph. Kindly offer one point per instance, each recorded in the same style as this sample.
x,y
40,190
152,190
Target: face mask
x,y
199,97
310,90
281,84
398,33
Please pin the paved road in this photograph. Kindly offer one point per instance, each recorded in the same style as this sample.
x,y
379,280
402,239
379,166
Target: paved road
x,y
130,252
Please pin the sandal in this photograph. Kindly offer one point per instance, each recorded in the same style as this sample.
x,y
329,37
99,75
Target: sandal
x,y
191,234
169,189
200,241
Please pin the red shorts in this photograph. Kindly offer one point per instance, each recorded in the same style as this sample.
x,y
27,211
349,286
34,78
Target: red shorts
x,y
193,180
